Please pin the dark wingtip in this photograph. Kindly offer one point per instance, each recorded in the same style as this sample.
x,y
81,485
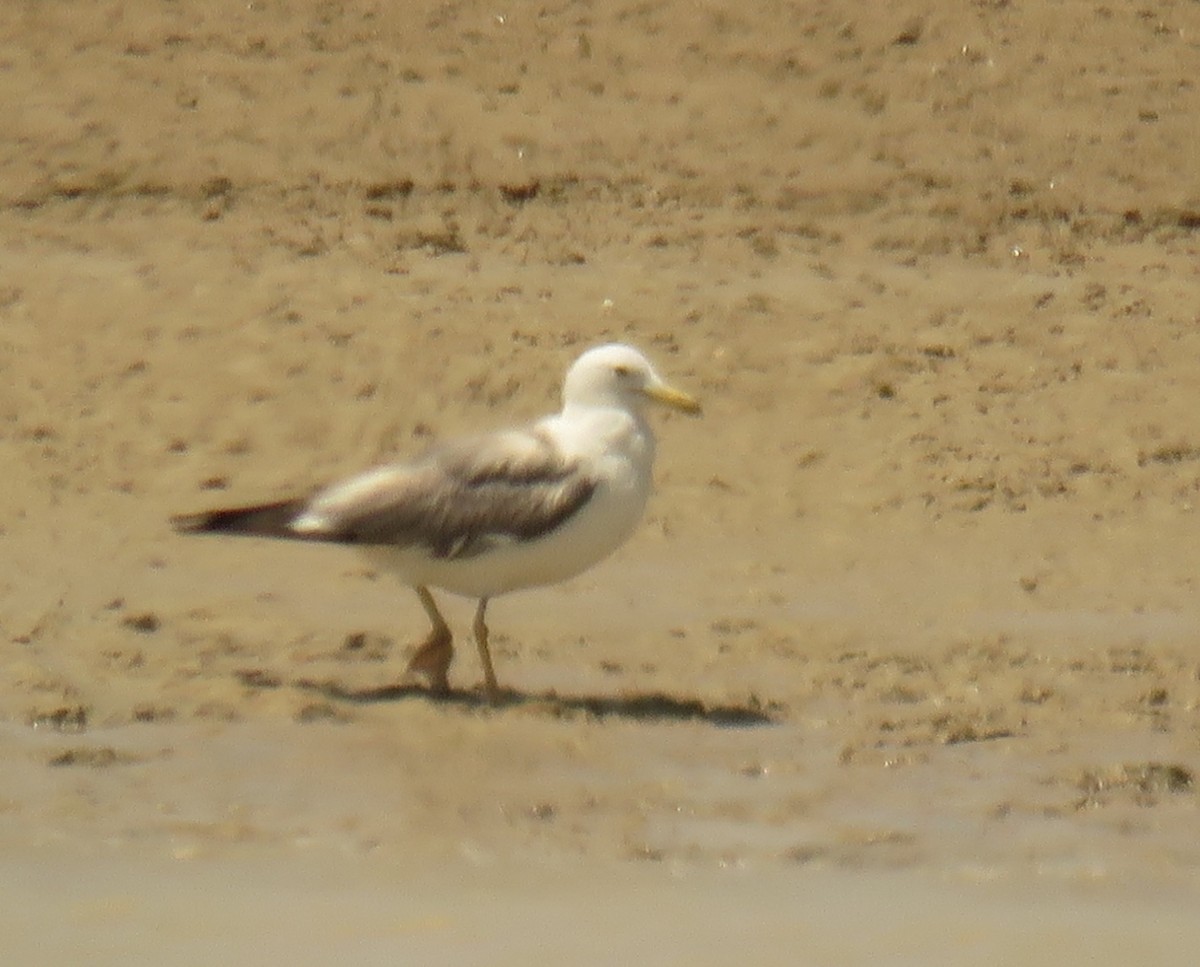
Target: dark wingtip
x,y
192,523
264,520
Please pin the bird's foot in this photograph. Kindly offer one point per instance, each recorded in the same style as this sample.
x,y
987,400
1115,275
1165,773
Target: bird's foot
x,y
431,661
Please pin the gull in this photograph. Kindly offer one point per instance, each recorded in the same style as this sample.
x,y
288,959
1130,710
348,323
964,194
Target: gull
x,y
486,515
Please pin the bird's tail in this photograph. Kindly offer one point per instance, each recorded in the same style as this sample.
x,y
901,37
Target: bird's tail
x,y
262,520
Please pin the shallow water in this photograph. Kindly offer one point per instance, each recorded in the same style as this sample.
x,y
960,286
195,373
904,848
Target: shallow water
x,y
108,908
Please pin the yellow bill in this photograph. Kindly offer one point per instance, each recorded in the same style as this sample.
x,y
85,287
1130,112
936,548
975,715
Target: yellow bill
x,y
674,398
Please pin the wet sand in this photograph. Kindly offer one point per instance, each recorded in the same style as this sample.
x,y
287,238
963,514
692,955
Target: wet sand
x,y
253,908
902,666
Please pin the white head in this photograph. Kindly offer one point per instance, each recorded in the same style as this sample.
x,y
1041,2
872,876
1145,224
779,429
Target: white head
x,y
619,376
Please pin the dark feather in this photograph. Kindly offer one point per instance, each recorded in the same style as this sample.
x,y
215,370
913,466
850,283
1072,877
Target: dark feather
x,y
263,520
462,500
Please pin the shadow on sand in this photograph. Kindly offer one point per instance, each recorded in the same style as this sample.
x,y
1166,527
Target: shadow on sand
x,y
647,707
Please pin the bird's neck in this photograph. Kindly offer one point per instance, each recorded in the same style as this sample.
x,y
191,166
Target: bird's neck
x,y
609,428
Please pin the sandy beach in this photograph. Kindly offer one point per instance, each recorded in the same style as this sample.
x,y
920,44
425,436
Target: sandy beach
x,y
902,666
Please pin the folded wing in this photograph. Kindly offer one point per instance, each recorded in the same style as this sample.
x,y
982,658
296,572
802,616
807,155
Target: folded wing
x,y
457,502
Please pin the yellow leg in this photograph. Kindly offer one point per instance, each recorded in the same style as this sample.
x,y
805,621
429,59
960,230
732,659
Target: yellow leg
x,y
432,659
485,656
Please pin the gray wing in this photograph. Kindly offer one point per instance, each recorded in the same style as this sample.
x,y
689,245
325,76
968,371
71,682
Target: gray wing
x,y
458,501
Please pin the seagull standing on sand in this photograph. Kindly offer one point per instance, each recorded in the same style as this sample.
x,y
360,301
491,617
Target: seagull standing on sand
x,y
490,514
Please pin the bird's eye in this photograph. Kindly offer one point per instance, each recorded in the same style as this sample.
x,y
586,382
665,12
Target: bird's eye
x,y
623,371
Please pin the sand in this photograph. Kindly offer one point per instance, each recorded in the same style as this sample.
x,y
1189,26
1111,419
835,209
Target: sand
x,y
901,668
